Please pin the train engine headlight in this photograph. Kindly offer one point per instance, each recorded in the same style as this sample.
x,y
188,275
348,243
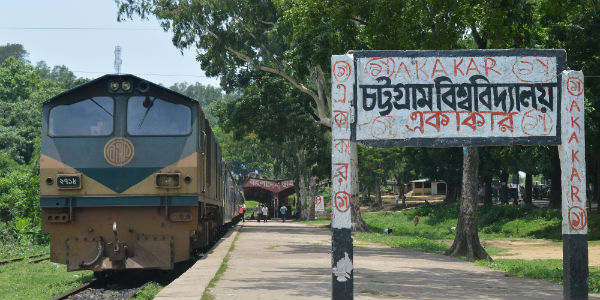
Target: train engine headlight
x,y
68,181
167,180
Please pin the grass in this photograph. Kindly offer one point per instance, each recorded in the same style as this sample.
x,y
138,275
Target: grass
x,y
149,291
10,250
499,221
546,269
44,280
407,242
222,268
317,222
377,293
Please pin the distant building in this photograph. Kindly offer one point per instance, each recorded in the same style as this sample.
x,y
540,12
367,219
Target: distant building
x,y
427,187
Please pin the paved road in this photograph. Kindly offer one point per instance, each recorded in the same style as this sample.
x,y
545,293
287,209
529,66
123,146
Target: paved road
x,y
289,260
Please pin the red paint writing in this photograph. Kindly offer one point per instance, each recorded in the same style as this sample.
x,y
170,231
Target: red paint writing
x,y
342,201
574,86
577,218
340,118
343,100
534,69
575,193
342,145
342,171
383,127
341,71
381,66
574,104
537,122
574,173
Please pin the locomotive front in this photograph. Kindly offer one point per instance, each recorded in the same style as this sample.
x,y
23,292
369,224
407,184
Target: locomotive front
x,y
120,176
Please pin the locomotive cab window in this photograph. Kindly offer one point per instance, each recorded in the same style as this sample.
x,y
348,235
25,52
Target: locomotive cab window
x,y
87,117
147,115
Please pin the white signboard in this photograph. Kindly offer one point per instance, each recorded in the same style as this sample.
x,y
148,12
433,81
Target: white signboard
x,y
456,98
319,205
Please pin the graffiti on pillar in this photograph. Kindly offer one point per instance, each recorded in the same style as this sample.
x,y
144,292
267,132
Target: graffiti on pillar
x,y
572,156
343,268
319,204
342,94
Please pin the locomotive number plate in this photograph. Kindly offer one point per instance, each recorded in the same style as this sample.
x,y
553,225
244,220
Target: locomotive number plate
x,y
68,181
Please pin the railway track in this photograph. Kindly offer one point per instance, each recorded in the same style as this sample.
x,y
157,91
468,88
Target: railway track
x,y
3,262
118,287
74,291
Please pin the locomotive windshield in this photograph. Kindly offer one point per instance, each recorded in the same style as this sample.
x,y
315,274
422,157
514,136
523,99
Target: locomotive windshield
x,y
88,117
154,116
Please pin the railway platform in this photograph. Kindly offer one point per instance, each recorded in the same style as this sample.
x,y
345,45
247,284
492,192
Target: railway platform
x,y
276,260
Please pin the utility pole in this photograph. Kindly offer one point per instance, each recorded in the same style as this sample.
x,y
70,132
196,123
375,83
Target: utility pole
x,y
118,61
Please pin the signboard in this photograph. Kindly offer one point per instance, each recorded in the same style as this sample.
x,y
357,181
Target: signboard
x,y
319,205
274,186
456,98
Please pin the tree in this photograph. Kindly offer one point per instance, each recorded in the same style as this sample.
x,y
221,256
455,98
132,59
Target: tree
x,y
293,40
15,50
466,243
59,74
290,139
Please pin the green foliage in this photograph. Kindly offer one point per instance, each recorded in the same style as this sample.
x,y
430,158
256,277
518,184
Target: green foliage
x,y
23,88
148,292
437,222
404,241
13,50
59,74
546,269
44,280
9,250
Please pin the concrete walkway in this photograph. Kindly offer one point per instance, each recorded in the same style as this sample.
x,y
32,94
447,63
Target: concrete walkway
x,y
289,260
191,284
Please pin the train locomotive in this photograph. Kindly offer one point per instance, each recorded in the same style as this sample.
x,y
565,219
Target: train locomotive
x,y
131,176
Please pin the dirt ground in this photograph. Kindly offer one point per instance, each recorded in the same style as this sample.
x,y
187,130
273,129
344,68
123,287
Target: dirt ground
x,y
528,249
536,249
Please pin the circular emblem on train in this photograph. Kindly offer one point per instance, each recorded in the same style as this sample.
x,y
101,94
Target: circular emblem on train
x,y
118,151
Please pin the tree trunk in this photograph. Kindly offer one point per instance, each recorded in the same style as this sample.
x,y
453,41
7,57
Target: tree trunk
x,y
487,197
358,224
504,187
528,189
378,199
555,188
312,193
466,243
452,191
596,185
301,205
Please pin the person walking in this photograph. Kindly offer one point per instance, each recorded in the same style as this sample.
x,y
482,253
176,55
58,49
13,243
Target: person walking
x,y
258,212
241,211
265,212
283,211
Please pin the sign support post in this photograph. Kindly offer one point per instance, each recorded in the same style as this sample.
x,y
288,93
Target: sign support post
x,y
344,183
572,165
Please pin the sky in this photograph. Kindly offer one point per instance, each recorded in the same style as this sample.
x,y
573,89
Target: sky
x,y
82,35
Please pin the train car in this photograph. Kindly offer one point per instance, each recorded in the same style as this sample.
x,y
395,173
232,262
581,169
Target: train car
x,y
131,176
